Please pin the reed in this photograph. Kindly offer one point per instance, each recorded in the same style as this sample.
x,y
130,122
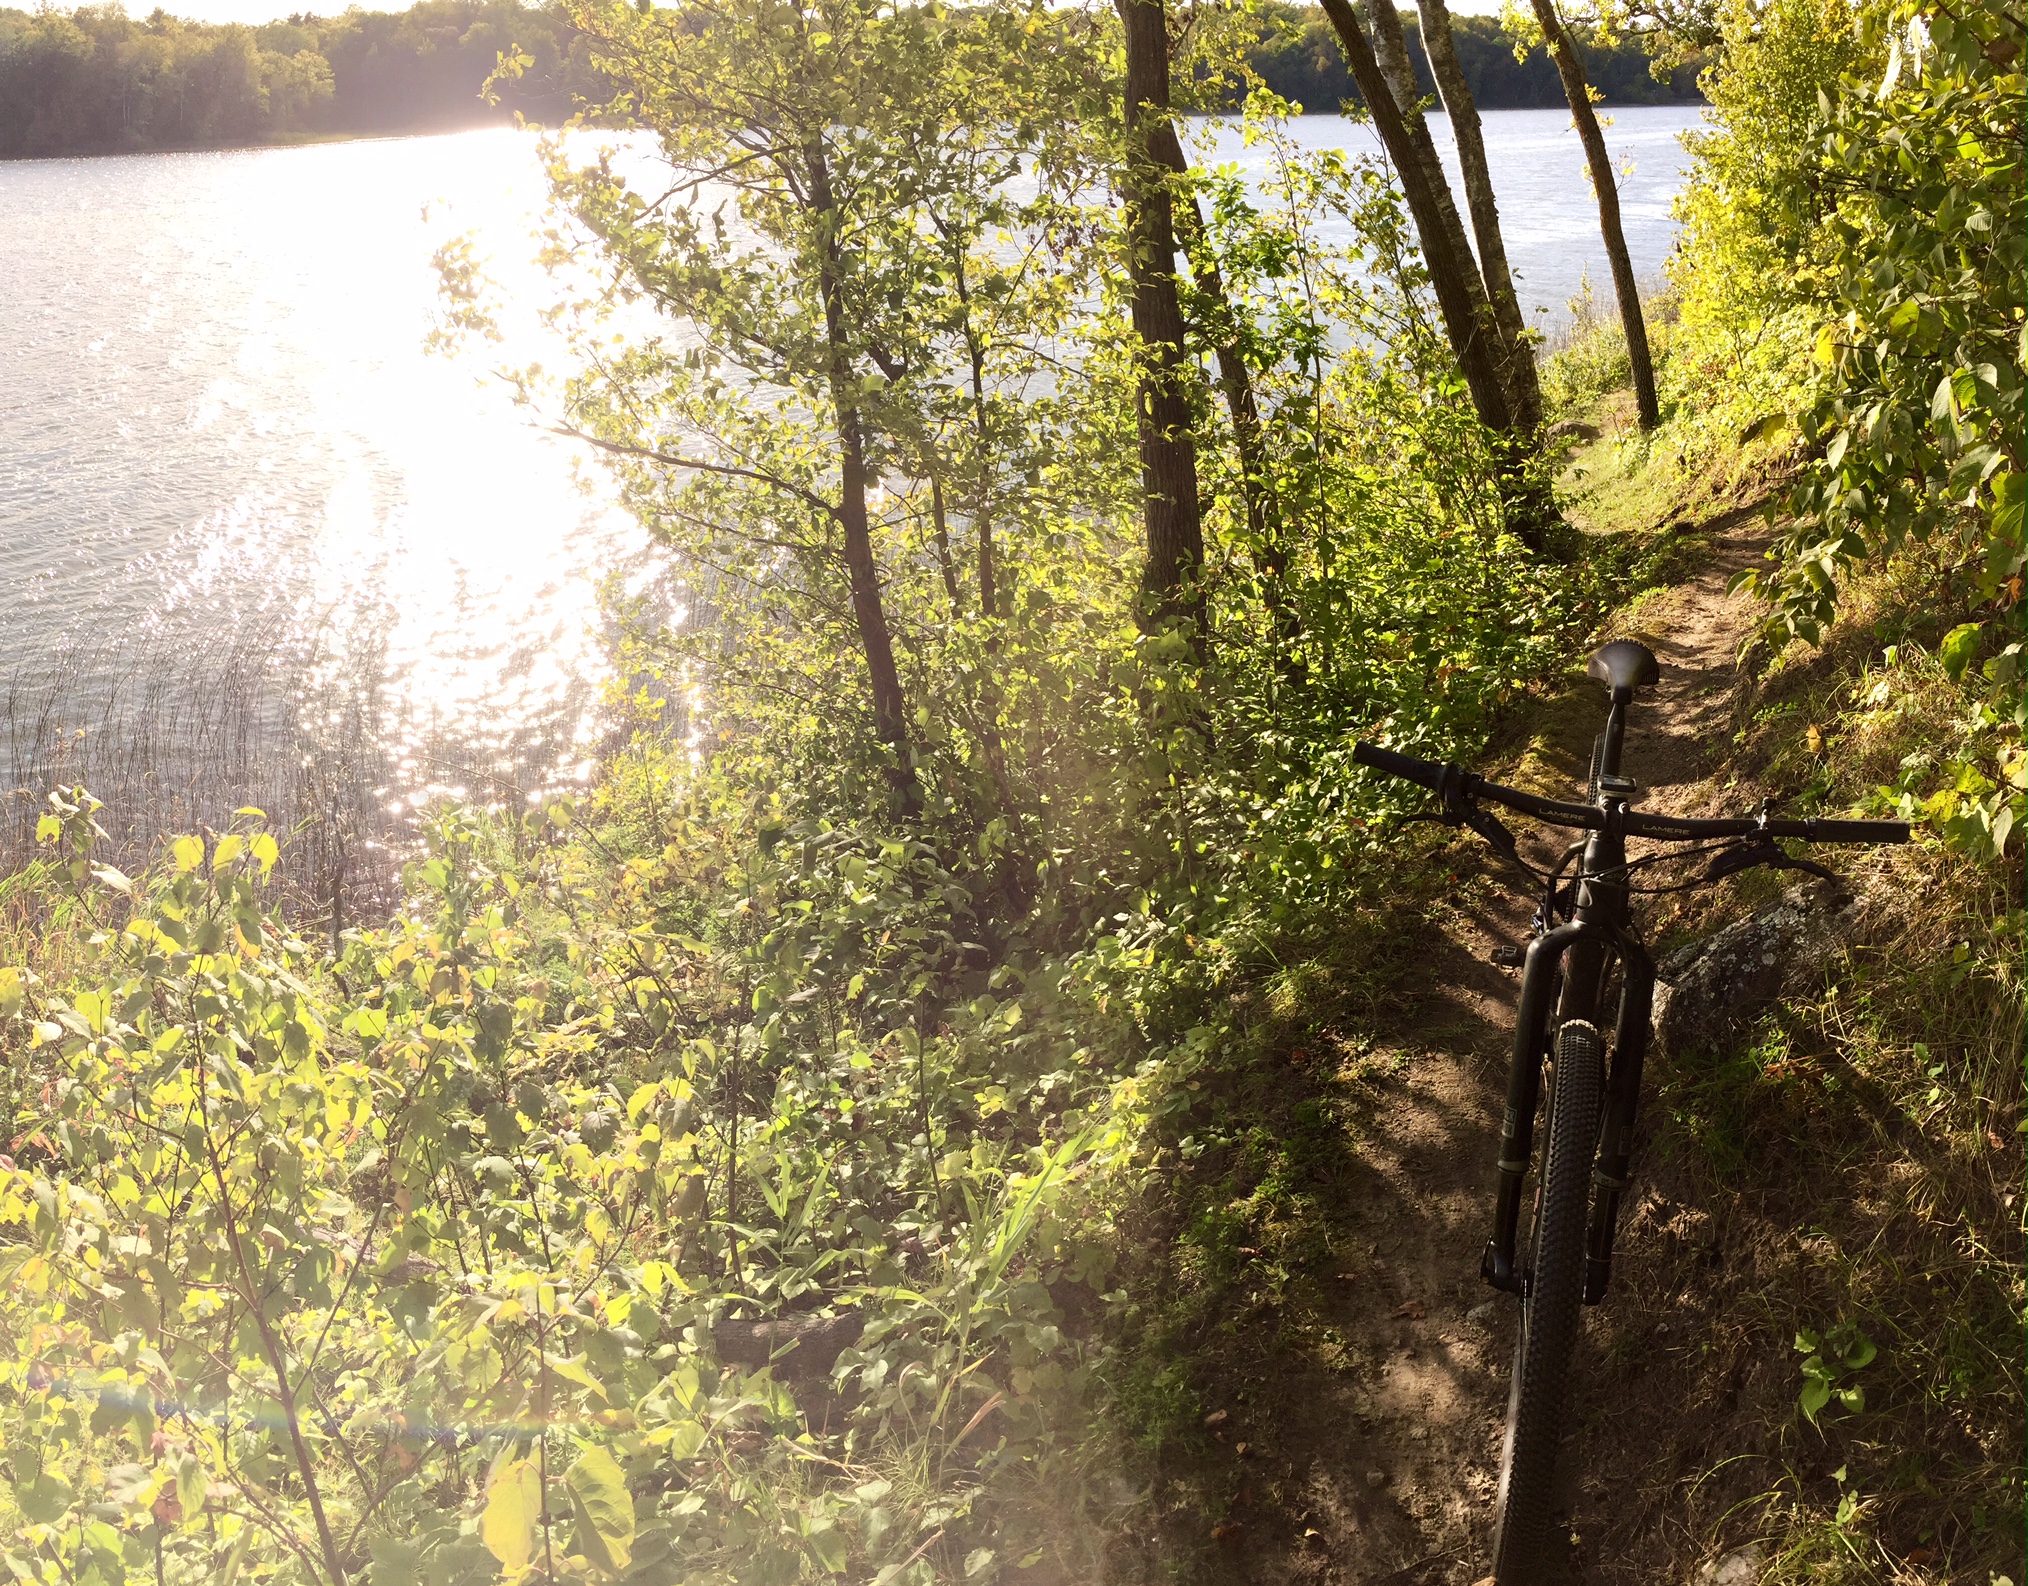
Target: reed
x,y
175,734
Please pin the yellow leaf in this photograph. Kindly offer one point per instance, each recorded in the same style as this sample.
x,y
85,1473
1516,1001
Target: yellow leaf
x,y
604,1510
573,1370
513,1510
265,851
228,851
188,852
641,1099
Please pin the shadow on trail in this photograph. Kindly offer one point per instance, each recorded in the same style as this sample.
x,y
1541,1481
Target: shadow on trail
x,y
1315,1364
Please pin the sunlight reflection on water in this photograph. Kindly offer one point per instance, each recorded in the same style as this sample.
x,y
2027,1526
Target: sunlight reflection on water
x,y
220,417
262,546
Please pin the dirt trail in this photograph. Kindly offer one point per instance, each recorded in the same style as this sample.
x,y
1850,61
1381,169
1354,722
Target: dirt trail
x,y
1372,1450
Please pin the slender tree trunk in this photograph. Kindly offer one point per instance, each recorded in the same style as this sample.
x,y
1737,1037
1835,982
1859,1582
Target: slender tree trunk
x,y
1390,49
1461,295
1570,66
1524,389
890,713
982,530
982,505
1235,381
1168,452
940,530
1266,532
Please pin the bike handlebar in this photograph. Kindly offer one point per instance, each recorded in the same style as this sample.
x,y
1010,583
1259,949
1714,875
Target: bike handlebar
x,y
1449,780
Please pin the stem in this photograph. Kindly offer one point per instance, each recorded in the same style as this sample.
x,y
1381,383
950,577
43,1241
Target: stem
x,y
271,1347
542,1434
1605,188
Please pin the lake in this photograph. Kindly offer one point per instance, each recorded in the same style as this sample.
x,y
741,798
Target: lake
x,y
263,547
1546,211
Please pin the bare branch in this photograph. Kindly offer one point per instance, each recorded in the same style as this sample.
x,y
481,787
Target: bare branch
x,y
727,470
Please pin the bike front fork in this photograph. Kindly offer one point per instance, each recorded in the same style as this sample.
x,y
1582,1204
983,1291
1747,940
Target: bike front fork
x,y
1532,1037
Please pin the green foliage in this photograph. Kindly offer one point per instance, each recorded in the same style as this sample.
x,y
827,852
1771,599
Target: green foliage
x,y
1920,419
1752,255
1298,57
1588,360
425,1256
1830,1362
96,81
1920,414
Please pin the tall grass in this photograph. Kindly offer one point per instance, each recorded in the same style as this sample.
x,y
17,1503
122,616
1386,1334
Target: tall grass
x,y
175,736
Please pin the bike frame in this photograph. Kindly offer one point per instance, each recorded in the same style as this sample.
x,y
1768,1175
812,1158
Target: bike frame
x,y
1567,971
1583,939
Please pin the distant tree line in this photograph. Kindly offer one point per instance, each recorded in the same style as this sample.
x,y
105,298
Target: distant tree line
x,y
96,81
1300,59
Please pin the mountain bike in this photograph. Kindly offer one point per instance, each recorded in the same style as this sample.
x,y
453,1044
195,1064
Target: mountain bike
x,y
1583,958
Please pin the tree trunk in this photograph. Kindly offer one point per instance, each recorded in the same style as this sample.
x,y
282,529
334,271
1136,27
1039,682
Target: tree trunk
x,y
1390,49
982,506
1266,532
890,711
1524,389
1461,295
1168,452
1563,50
1235,381
940,534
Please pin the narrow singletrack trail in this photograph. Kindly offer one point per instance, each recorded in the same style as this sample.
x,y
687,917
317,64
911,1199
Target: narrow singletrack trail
x,y
1368,1431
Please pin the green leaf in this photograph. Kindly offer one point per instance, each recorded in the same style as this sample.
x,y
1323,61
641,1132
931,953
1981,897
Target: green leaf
x,y
190,1483
604,1508
44,1499
237,1557
830,1549
1815,1395
572,1369
1958,647
685,1438
513,1510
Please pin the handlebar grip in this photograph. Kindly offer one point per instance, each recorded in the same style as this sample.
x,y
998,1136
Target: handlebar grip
x,y
1424,773
1855,831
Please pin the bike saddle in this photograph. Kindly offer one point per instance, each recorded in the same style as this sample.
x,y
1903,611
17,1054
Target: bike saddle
x,y
1624,664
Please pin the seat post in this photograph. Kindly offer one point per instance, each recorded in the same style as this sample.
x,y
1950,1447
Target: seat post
x,y
1616,731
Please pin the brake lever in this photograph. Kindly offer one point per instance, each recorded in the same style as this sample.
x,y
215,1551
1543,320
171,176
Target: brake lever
x,y
1488,825
1734,860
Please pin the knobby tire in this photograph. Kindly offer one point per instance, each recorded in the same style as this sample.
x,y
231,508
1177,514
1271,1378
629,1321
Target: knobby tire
x,y
1551,1314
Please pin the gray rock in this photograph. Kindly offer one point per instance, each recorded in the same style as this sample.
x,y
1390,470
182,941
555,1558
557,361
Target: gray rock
x,y
796,1346
1481,1315
1571,430
1710,989
1741,1567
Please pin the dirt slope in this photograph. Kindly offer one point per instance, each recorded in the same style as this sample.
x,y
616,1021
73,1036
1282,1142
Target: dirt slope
x,y
1354,1423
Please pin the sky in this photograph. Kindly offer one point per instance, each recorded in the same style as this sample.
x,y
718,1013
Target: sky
x,y
256,11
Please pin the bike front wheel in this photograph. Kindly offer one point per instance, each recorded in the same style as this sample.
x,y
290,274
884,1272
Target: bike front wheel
x,y
1551,1311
